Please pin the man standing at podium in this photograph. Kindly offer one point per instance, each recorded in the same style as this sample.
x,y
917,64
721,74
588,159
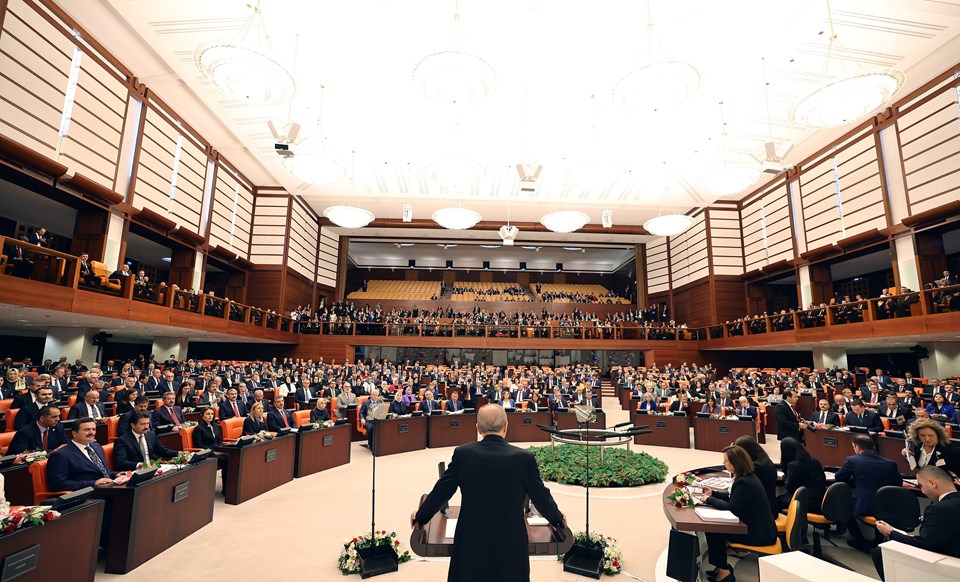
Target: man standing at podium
x,y
477,469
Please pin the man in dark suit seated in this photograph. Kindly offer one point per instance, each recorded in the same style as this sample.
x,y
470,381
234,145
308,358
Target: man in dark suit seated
x,y
279,418
81,463
231,407
477,469
168,414
824,415
454,404
940,525
859,416
866,472
18,260
428,405
89,407
903,301
30,411
45,434
744,409
139,445
86,272
371,402
896,414
303,397
38,237
558,402
122,273
139,405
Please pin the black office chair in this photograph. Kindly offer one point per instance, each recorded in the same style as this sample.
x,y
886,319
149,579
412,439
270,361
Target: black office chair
x,y
837,510
897,506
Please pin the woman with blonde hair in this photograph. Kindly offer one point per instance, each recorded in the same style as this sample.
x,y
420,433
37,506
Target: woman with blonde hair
x,y
256,421
927,442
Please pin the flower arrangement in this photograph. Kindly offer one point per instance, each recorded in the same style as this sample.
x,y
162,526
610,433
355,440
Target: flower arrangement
x,y
28,457
101,420
685,479
612,554
189,423
37,515
681,497
348,561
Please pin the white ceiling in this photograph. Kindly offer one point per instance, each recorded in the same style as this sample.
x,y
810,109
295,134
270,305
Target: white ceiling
x,y
549,57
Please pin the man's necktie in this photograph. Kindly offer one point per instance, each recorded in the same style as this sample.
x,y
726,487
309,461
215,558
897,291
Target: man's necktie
x,y
173,416
283,415
143,448
45,439
95,459
236,411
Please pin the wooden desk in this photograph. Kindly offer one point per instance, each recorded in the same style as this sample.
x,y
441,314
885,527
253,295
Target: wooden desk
x,y
321,449
567,420
68,546
522,426
145,520
543,540
686,518
890,448
830,447
713,434
450,430
666,431
17,484
258,468
399,435
355,434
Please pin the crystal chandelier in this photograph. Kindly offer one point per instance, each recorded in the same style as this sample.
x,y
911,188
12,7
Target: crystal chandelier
x,y
456,218
845,97
564,221
455,77
668,222
244,71
348,216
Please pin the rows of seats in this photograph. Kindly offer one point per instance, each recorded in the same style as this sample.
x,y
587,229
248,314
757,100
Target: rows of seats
x,y
598,291
490,291
398,290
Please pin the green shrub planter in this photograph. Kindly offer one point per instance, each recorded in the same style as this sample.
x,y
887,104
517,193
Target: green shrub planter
x,y
620,468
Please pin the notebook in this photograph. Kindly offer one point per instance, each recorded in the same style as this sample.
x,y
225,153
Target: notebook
x,y
721,515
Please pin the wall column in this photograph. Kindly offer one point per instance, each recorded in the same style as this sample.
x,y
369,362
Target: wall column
x,y
826,358
944,360
806,287
164,346
72,342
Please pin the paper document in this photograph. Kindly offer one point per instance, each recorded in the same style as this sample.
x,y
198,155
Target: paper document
x,y
913,482
451,528
830,475
716,483
912,462
537,520
709,514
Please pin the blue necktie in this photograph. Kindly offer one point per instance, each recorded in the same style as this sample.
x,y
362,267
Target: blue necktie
x,y
96,461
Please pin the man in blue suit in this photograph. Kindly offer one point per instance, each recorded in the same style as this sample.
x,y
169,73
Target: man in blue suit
x,y
279,418
46,433
866,472
81,463
139,445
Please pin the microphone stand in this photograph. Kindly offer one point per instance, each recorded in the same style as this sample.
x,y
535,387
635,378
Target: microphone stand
x,y
375,560
582,559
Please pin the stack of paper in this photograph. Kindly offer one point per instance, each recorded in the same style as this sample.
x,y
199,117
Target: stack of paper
x,y
451,528
537,520
710,514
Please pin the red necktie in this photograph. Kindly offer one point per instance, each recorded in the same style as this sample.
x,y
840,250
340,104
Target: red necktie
x,y
173,416
46,439
285,423
236,411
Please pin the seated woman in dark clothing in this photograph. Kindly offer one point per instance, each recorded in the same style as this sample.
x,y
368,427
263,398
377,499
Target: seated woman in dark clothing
x,y
256,421
320,413
801,470
763,468
745,490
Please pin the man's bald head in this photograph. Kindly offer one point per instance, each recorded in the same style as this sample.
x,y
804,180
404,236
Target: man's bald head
x,y
491,419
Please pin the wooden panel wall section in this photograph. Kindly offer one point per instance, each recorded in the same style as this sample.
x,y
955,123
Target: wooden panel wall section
x,y
658,268
728,295
693,304
302,242
231,220
263,287
766,226
726,244
298,291
90,233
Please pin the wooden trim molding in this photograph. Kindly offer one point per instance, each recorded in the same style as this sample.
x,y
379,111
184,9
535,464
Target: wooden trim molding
x,y
154,219
23,156
94,190
933,215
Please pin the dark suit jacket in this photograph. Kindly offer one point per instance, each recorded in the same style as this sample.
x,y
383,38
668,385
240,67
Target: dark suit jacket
x,y
398,408
301,395
433,406
205,437
79,410
28,414
70,469
940,529
126,451
809,475
761,529
832,418
161,417
251,426
454,405
275,420
870,421
788,424
319,415
477,469
946,457
226,409
866,473
28,439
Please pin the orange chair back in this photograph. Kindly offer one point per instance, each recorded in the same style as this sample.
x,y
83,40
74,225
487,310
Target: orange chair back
x,y
360,425
112,422
232,428
5,439
72,400
38,474
186,438
301,417
5,404
11,414
108,453
65,413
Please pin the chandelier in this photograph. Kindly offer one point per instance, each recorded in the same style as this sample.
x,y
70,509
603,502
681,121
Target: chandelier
x,y
456,218
348,216
668,224
564,221
657,87
246,72
314,168
845,97
454,77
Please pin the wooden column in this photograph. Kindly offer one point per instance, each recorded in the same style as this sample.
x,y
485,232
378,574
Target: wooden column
x,y
821,283
931,261
90,233
181,267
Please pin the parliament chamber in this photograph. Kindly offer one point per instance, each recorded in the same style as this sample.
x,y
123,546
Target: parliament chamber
x,y
228,240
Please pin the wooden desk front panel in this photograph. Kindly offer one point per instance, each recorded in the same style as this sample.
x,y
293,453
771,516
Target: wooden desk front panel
x,y
76,535
322,449
522,427
667,431
711,434
451,430
250,474
400,435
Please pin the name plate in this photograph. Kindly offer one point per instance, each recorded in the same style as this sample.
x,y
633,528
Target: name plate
x,y
723,429
527,421
20,563
271,455
661,424
328,440
403,428
454,423
181,491
830,442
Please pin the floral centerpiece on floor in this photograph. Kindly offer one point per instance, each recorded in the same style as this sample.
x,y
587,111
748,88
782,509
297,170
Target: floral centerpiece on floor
x,y
348,561
612,554
37,515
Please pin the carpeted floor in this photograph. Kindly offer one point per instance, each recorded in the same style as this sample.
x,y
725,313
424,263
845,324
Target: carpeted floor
x,y
296,532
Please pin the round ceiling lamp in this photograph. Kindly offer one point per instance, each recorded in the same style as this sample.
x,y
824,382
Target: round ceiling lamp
x,y
656,88
314,168
564,221
454,78
348,216
245,74
456,172
847,99
668,224
456,218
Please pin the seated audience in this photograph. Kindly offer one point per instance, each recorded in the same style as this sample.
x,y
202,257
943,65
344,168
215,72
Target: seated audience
x,y
45,434
90,406
140,446
166,415
81,463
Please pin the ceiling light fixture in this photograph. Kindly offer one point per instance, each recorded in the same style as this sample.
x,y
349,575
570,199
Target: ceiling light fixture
x,y
244,69
347,215
564,221
456,218
845,97
312,164
668,221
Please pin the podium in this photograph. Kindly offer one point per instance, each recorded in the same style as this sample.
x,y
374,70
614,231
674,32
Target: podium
x,y
429,541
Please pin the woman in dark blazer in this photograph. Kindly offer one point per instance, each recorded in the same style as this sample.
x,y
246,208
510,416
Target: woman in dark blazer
x,y
320,413
801,470
763,468
206,434
745,490
256,421
396,405
126,400
185,397
711,406
929,445
648,403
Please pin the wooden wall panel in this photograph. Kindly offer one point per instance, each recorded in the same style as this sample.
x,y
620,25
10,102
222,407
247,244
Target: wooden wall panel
x,y
930,142
767,230
688,254
302,246
263,287
327,259
658,272
298,291
726,244
231,221
692,304
269,229
729,299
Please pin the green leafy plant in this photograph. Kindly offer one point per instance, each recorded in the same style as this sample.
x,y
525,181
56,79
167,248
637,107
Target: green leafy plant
x,y
620,468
